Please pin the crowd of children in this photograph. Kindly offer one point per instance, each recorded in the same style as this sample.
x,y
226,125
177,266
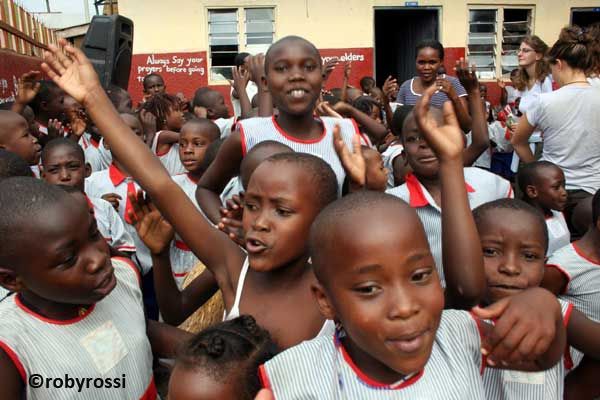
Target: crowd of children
x,y
358,243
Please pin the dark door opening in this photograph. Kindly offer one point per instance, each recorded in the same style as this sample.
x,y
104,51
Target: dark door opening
x,y
585,17
397,32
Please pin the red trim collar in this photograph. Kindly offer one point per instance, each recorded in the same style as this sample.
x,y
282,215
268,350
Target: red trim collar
x,y
116,175
370,381
416,194
194,181
23,307
581,254
295,139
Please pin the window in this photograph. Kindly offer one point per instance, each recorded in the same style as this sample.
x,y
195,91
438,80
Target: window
x,y
227,36
494,50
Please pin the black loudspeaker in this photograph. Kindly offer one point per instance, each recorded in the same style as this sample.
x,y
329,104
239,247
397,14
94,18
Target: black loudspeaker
x,y
108,44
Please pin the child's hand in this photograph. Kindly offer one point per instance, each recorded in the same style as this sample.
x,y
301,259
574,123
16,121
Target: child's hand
x,y
525,326
200,112
77,122
257,68
354,163
231,220
241,77
324,109
28,87
501,83
113,199
152,228
389,87
328,67
444,85
342,108
445,140
467,76
55,129
347,69
148,121
72,72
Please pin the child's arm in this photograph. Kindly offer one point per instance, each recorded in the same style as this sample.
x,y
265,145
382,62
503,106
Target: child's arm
x,y
528,333
148,121
388,86
164,141
12,383
461,249
479,126
265,102
240,81
584,334
460,104
520,140
374,129
503,92
164,339
554,280
27,88
156,233
347,71
76,76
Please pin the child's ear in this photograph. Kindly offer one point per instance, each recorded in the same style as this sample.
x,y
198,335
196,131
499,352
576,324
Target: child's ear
x,y
325,306
210,113
88,170
531,192
10,280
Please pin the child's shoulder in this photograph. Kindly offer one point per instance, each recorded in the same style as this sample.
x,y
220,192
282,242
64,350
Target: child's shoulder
x,y
571,257
486,185
400,191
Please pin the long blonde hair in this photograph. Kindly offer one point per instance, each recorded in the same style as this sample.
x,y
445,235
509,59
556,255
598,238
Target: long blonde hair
x,y
542,68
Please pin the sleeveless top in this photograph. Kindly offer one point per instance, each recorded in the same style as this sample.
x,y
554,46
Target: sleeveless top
x,y
106,343
256,130
328,326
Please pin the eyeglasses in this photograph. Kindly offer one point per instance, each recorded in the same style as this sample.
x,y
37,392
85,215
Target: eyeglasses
x,y
525,50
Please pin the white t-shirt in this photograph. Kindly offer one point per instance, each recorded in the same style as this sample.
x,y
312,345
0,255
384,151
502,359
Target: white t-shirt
x,y
594,81
530,99
570,119
251,91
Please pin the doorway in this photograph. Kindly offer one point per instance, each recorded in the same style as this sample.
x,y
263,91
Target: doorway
x,y
585,17
397,32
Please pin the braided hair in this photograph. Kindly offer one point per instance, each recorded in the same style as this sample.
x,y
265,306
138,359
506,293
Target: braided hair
x,y
160,105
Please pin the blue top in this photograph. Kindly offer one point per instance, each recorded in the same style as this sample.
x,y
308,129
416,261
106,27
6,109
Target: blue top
x,y
408,97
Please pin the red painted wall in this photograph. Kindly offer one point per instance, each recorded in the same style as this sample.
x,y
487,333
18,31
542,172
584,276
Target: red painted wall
x,y
12,66
362,65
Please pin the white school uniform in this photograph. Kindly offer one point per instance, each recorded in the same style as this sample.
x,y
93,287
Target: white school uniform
x,y
226,125
482,187
388,157
504,384
558,232
108,341
170,159
91,152
322,369
105,155
181,256
112,180
110,225
256,130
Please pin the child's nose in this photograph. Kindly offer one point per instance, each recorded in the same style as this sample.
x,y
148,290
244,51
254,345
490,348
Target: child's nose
x,y
402,304
510,266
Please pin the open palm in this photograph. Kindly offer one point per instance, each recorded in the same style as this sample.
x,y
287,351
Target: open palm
x,y
71,70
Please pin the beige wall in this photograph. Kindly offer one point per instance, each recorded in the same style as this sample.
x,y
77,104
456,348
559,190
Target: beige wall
x,y
178,26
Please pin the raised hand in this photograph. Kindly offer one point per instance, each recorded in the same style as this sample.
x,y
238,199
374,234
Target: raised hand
x,y
241,76
444,86
148,121
501,83
257,68
325,110
353,162
71,70
390,86
445,140
77,122
152,228
467,75
347,69
28,87
55,129
231,220
329,66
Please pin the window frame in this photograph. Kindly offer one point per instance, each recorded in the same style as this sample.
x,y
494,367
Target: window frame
x,y
499,8
241,32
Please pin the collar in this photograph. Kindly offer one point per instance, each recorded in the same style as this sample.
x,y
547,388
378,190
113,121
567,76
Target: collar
x,y
416,191
192,179
116,175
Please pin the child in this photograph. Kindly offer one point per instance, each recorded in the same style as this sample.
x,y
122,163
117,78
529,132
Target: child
x,y
153,84
279,208
216,109
195,137
514,242
543,186
12,165
294,77
16,138
241,63
392,341
72,301
47,105
222,362
366,84
423,186
63,164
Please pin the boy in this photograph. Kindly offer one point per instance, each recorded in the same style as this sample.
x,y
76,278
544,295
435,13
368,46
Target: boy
x,y
543,186
216,109
423,187
16,137
63,164
153,84
72,300
12,165
47,105
241,62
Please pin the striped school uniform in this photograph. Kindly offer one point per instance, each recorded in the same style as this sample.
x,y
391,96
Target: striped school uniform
x,y
112,180
322,369
111,226
181,256
256,130
502,384
170,158
482,187
558,232
108,341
